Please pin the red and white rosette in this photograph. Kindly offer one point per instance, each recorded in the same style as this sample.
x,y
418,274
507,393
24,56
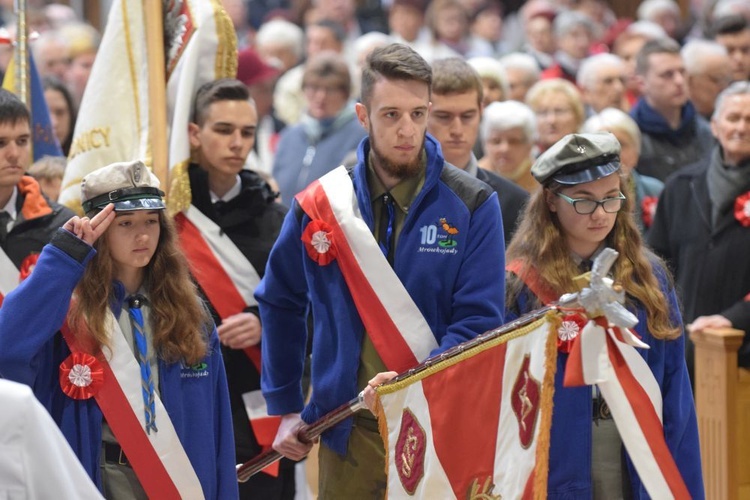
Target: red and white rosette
x,y
570,327
648,210
27,265
742,209
318,239
81,375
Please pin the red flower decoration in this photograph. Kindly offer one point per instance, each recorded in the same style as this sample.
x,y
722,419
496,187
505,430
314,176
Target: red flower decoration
x,y
27,265
742,209
648,210
570,329
81,375
318,239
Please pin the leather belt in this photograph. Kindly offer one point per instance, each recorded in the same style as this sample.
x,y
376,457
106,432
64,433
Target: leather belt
x,y
113,454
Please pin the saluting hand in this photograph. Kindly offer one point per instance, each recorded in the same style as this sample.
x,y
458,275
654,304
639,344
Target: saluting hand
x,y
89,230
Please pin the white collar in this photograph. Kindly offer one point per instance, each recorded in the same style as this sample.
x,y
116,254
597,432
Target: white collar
x,y
10,207
231,194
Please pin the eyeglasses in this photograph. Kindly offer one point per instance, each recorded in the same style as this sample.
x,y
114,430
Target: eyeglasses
x,y
584,206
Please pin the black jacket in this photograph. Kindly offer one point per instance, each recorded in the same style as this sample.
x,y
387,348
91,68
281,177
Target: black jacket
x,y
710,263
36,222
252,220
512,200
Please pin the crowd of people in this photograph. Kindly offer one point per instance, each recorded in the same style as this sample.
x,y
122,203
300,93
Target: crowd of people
x,y
380,182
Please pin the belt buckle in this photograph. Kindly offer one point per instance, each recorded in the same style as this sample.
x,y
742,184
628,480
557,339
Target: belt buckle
x,y
122,459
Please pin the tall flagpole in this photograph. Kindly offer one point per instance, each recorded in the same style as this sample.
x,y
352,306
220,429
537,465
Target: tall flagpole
x,y
157,89
21,54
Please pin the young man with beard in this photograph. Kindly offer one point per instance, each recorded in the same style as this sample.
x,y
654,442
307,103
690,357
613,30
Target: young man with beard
x,y
227,234
27,218
455,116
397,259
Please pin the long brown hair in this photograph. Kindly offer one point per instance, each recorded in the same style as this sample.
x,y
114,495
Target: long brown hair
x,y
179,320
539,243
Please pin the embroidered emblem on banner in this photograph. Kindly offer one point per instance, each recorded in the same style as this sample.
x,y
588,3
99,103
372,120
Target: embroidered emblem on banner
x,y
81,375
178,29
318,240
525,402
483,491
410,451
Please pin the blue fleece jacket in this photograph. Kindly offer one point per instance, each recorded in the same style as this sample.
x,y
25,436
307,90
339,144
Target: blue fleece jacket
x,y
571,434
31,350
459,289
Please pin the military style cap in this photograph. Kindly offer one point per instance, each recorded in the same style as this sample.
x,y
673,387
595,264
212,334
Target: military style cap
x,y
129,185
578,158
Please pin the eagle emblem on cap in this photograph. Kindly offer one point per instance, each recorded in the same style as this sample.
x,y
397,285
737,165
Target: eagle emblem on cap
x,y
581,149
137,173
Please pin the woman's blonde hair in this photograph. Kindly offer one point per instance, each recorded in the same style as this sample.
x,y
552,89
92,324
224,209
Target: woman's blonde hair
x,y
179,319
540,244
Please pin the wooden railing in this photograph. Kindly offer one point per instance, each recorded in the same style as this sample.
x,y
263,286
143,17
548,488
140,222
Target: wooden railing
x,y
722,398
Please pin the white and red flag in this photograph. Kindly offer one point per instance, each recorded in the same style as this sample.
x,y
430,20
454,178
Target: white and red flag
x,y
116,121
474,425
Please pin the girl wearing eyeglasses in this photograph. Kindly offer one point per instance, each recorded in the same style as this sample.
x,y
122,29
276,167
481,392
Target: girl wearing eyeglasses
x,y
583,207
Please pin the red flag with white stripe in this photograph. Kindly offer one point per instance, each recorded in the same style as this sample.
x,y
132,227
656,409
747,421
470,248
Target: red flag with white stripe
x,y
474,424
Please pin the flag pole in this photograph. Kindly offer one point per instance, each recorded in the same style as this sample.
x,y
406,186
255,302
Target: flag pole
x,y
157,90
309,432
20,54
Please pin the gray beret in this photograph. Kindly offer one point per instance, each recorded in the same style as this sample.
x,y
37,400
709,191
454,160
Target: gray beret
x,y
578,158
129,185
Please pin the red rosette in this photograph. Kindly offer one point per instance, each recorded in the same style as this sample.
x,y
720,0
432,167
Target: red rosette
x,y
648,210
319,243
569,330
27,265
742,209
81,375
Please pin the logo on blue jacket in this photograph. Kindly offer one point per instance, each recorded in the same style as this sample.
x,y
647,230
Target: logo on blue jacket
x,y
439,238
197,370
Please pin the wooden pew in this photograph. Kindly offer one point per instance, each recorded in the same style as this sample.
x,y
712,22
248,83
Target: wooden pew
x,y
722,398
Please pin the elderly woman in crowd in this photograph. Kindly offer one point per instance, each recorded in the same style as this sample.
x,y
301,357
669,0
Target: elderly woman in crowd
x,y
494,79
645,188
508,133
558,108
327,131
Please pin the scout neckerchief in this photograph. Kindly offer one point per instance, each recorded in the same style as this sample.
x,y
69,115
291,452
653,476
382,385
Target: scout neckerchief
x,y
158,459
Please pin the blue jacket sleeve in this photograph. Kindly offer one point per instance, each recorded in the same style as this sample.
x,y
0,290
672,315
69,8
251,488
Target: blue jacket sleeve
x,y
479,295
226,476
33,313
283,300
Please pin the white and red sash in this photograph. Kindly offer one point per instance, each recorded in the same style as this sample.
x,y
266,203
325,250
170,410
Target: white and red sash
x,y
393,321
9,275
229,280
158,459
605,355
